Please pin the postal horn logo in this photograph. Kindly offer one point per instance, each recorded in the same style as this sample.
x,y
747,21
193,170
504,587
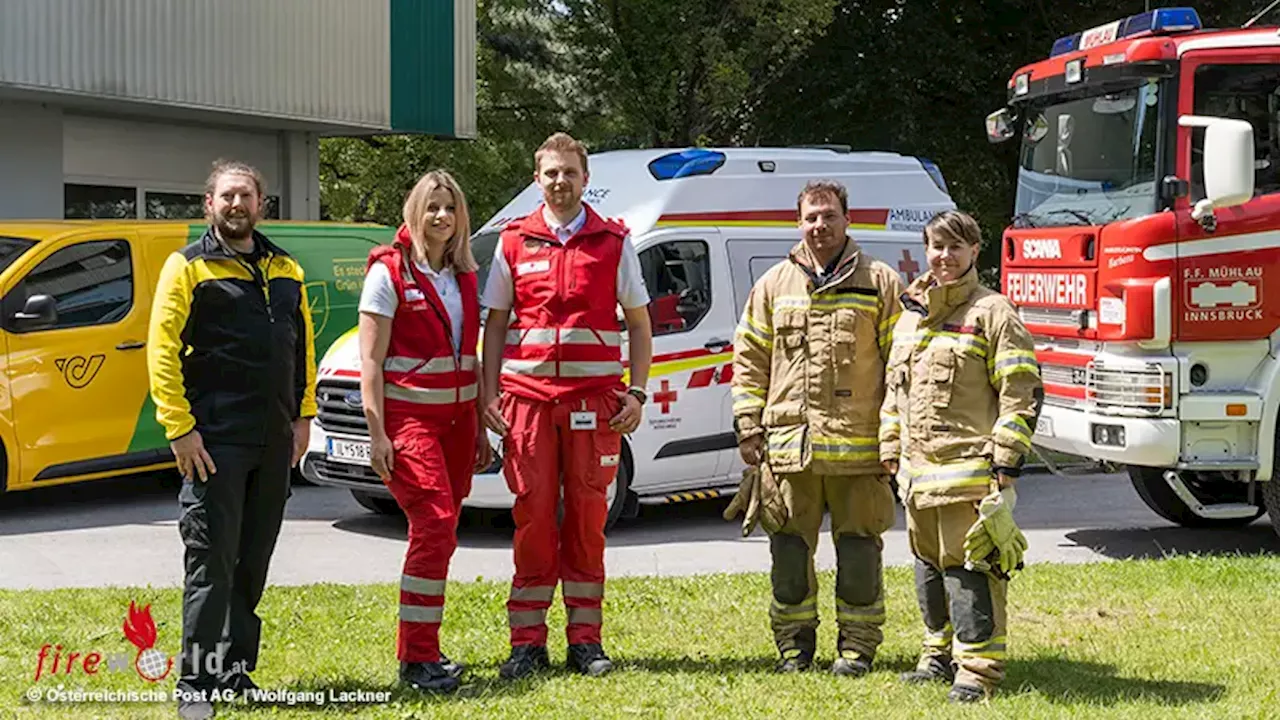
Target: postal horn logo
x,y
150,664
78,370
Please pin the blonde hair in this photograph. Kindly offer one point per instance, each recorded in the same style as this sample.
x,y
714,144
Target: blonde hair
x,y
560,142
954,225
457,250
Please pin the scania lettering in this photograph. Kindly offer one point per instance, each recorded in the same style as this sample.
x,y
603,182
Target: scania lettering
x,y
1144,255
706,224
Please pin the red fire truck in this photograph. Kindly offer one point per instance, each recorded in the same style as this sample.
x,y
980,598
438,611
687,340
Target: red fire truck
x,y
1144,256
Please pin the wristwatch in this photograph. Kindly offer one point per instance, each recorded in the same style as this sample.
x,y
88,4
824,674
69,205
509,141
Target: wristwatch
x,y
639,394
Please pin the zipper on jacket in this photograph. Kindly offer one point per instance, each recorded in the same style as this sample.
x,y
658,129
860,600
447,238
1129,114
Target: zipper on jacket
x,y
261,281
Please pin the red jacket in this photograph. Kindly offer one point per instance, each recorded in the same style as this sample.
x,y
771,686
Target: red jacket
x,y
423,374
565,341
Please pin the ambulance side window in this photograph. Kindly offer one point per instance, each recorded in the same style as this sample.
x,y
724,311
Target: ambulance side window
x,y
91,283
1244,92
678,277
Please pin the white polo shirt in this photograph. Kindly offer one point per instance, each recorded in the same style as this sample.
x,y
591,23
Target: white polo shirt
x,y
378,296
499,290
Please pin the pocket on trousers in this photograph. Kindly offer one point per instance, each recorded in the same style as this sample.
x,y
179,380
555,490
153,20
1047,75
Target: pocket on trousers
x,y
607,446
517,450
193,524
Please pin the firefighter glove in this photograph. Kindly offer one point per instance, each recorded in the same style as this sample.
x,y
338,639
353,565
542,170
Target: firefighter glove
x,y
747,500
995,532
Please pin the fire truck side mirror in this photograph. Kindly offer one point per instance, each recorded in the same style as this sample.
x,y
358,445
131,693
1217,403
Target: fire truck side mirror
x,y
1228,163
1000,125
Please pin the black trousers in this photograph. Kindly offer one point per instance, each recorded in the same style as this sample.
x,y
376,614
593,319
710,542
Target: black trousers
x,y
229,526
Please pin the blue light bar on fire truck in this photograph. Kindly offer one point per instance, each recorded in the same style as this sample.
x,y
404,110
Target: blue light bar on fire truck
x,y
1163,20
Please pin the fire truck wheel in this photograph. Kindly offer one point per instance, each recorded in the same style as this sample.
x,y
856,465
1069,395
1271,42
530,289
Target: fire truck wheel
x,y
380,505
1156,493
1271,497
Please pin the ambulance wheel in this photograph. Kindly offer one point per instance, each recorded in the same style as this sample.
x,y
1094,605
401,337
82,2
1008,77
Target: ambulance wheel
x,y
1156,493
621,490
1271,498
378,504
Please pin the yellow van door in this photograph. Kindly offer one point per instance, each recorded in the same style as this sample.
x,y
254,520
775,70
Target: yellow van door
x,y
76,322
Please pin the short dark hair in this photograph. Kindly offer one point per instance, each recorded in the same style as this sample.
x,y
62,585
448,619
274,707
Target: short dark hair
x,y
825,187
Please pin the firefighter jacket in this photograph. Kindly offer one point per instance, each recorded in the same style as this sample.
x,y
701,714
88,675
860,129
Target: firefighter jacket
x,y
809,361
424,376
564,342
963,392
230,350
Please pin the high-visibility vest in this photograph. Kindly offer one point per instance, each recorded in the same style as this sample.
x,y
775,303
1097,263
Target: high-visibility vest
x,y
424,376
565,341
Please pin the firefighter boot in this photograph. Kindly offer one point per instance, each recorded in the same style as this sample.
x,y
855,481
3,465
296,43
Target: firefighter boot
x,y
428,677
966,694
453,668
931,669
797,652
851,664
588,659
524,660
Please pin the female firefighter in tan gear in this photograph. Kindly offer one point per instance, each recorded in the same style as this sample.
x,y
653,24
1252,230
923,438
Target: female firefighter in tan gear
x,y
807,386
963,393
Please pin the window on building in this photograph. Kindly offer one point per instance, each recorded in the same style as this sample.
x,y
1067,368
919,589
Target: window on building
x,y
678,277
91,284
1245,92
88,202
174,206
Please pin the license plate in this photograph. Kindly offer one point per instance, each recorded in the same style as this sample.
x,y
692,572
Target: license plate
x,y
1044,426
355,452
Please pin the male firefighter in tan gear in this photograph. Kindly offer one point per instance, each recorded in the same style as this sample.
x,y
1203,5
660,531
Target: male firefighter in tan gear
x,y
808,382
963,396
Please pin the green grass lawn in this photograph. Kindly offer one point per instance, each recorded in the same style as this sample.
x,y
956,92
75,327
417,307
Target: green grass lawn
x,y
1181,637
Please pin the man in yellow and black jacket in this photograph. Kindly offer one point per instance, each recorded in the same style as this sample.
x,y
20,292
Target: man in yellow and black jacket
x,y
232,370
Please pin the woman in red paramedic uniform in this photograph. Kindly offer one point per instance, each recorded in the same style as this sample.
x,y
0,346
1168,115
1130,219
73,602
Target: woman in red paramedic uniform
x,y
419,380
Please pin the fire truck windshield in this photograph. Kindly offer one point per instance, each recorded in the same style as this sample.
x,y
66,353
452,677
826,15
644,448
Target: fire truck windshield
x,y
1090,160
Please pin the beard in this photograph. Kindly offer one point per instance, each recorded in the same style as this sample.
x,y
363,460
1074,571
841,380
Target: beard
x,y
235,224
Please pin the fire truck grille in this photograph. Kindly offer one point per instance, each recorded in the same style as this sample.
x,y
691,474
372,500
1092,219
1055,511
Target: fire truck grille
x,y
340,409
1054,317
1149,389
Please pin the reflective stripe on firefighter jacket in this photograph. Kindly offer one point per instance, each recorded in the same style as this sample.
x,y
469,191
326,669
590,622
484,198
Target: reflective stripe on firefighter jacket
x,y
963,392
424,375
565,341
809,360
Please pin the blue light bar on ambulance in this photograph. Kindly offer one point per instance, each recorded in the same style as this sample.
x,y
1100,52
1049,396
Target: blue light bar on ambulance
x,y
686,163
1164,20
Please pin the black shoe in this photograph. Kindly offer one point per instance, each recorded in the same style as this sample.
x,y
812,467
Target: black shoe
x,y
937,670
238,683
428,677
524,660
851,664
589,659
966,694
795,660
454,669
188,710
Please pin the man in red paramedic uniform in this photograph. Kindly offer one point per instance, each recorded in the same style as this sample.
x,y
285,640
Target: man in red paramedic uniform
x,y
557,277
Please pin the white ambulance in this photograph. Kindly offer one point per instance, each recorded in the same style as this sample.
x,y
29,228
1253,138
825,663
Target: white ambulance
x,y
706,224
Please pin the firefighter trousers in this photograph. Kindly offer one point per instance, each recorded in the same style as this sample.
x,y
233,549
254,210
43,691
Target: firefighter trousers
x,y
229,525
559,454
431,474
862,509
963,610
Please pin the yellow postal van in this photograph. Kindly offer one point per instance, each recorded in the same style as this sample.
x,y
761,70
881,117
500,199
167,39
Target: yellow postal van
x,y
75,299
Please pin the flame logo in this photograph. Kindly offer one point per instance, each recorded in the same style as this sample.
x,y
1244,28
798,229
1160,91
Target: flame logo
x,y
150,664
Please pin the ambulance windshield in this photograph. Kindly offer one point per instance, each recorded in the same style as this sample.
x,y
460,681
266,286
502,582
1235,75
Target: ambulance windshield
x,y
1088,161
482,246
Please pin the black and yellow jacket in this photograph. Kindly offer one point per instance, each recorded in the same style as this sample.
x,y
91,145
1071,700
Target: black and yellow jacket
x,y
230,350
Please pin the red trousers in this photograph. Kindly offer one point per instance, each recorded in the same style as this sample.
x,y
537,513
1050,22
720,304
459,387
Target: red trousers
x,y
546,460
431,475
